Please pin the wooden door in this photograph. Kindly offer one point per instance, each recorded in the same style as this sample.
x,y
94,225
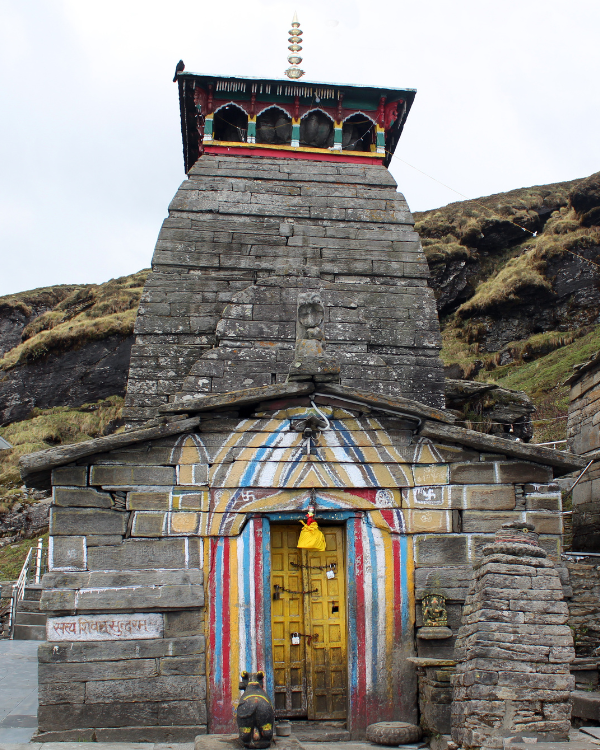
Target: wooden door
x,y
310,678
287,616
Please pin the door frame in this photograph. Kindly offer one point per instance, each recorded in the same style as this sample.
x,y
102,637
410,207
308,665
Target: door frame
x,y
337,518
331,518
380,616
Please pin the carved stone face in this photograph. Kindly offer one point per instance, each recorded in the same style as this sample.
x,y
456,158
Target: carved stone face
x,y
310,314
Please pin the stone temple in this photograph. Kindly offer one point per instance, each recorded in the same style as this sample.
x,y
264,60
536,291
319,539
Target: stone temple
x,y
286,358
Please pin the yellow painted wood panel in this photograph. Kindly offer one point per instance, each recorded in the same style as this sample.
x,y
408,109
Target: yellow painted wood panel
x,y
310,678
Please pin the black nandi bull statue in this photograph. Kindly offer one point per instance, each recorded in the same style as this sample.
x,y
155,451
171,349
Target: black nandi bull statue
x,y
255,714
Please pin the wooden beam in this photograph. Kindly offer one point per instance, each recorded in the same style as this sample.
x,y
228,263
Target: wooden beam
x,y
35,467
393,403
562,460
238,398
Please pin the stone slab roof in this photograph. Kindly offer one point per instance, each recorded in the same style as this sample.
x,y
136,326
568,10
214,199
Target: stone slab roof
x,y
432,423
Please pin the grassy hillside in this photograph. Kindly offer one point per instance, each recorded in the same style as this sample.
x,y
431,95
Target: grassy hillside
x,y
47,428
517,280
77,315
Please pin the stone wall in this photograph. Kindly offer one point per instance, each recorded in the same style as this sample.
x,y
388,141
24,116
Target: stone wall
x,y
446,564
138,530
125,657
584,605
583,435
243,237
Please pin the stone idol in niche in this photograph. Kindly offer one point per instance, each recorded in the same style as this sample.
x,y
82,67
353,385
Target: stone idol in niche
x,y
310,360
435,618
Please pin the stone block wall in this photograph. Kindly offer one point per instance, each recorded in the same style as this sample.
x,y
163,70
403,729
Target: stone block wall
x,y
584,604
444,563
243,237
583,435
125,657
133,531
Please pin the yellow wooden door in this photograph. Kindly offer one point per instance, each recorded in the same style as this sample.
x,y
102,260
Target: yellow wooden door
x,y
311,677
287,616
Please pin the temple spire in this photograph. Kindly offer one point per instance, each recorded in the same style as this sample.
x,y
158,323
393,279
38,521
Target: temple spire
x,y
295,47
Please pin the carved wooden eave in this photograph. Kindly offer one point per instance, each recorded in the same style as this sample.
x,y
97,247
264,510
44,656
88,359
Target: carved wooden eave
x,y
429,422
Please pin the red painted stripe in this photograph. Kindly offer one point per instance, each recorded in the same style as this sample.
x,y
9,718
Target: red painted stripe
x,y
226,629
213,696
303,155
359,710
388,517
367,494
258,593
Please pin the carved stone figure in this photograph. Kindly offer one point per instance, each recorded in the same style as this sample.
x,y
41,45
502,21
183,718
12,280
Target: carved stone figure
x,y
310,360
255,714
435,614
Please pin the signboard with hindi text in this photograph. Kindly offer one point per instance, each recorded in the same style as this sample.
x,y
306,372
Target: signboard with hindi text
x,y
105,627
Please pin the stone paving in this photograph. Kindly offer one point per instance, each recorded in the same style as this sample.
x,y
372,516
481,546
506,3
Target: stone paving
x,y
18,691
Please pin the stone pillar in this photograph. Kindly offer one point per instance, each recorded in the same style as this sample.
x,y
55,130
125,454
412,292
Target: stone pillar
x,y
513,648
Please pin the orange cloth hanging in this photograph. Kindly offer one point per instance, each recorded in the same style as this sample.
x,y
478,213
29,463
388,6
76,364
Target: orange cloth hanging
x,y
311,537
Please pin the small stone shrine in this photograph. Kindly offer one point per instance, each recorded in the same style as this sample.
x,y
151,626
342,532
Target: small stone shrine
x,y
514,647
286,356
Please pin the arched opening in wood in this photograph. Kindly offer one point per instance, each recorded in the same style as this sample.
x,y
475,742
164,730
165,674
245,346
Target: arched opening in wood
x,y
357,133
274,126
316,130
230,124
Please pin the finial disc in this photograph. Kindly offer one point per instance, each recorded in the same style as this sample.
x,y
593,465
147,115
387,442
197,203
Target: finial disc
x,y
294,73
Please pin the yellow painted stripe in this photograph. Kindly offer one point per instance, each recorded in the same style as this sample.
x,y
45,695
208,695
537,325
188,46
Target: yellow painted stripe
x,y
307,149
233,618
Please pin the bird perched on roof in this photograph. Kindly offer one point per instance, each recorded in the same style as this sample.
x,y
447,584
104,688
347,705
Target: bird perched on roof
x,y
179,69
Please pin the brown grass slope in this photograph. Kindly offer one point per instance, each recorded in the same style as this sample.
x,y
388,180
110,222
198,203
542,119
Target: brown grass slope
x,y
517,279
81,314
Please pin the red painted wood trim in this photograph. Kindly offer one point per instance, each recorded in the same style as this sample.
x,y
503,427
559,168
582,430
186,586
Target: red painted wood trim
x,y
303,155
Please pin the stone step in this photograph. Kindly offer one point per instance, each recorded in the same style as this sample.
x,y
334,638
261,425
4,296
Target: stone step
x,y
28,605
33,592
30,618
320,731
585,705
29,633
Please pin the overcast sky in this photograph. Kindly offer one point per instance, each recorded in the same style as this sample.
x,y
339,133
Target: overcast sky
x,y
90,142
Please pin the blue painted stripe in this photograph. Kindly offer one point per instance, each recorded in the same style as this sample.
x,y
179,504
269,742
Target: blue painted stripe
x,y
349,443
404,583
266,553
218,604
255,464
245,598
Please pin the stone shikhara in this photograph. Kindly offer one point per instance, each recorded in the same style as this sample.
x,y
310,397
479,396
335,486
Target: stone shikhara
x,y
513,648
218,311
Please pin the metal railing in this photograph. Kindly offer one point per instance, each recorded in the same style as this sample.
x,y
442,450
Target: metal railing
x,y
552,443
31,572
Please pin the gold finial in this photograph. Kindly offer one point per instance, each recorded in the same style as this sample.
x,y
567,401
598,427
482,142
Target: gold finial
x,y
294,59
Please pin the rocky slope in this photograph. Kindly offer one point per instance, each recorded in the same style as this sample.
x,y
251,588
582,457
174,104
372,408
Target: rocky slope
x,y
517,282
66,345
